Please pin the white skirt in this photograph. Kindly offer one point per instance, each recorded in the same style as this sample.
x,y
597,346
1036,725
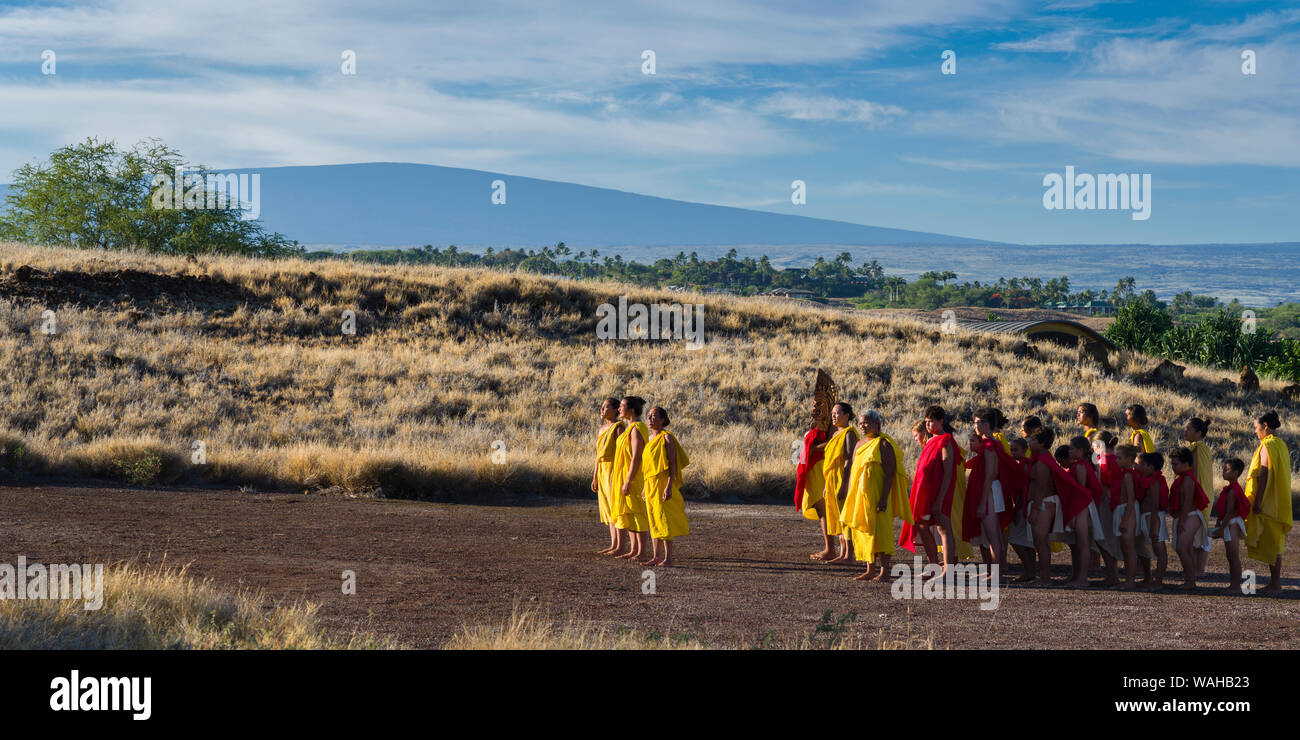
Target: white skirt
x,y
1059,532
1021,532
1105,535
1141,546
1201,540
1234,523
998,505
1162,529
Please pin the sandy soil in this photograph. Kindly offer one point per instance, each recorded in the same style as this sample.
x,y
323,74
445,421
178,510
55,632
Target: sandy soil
x,y
425,569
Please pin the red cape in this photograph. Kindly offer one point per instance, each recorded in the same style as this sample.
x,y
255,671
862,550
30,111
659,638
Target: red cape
x,y
925,486
1117,486
1240,503
1093,480
1009,475
1144,483
1074,497
1176,500
809,458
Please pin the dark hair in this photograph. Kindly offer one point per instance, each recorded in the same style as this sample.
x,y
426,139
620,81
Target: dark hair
x,y
1031,423
1062,455
992,416
1183,455
663,411
1127,451
1044,436
636,403
1107,438
1154,459
1001,420
1201,426
1090,411
845,408
937,413
1270,420
1080,442
1236,464
1018,441
611,401
1139,413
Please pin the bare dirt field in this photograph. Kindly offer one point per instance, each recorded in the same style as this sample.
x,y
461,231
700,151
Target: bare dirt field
x,y
426,569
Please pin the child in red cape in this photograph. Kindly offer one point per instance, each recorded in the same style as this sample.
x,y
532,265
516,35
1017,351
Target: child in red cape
x,y
1103,542
932,491
1154,497
1231,509
993,474
1058,499
1186,501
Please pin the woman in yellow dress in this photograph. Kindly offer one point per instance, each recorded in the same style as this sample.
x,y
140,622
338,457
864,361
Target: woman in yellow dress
x,y
661,466
1089,418
835,469
602,480
1135,417
1268,488
1203,470
878,491
629,504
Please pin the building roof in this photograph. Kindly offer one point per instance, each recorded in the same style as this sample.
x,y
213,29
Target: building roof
x,y
1032,328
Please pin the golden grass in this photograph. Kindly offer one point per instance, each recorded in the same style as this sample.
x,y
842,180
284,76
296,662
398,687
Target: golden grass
x,y
526,629
159,608
248,357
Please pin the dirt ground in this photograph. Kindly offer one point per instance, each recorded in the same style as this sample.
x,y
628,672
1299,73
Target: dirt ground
x,y
425,569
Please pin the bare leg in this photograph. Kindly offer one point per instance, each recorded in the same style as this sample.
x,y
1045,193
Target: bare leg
x,y
1234,564
826,552
1082,550
1274,577
882,575
1042,528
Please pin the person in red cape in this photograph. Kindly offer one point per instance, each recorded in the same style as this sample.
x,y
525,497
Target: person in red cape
x,y
809,483
1126,502
1231,509
932,491
1155,501
1058,500
1186,501
993,477
1103,545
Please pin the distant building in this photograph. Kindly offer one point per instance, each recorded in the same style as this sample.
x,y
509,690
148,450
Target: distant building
x,y
1091,308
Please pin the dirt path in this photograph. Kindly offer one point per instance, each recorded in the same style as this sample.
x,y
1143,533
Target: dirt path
x,y
424,569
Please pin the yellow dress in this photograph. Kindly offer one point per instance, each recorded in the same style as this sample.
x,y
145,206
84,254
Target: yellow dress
x,y
667,518
833,472
1141,439
872,530
1266,531
964,550
629,510
606,442
1203,469
1087,431
814,488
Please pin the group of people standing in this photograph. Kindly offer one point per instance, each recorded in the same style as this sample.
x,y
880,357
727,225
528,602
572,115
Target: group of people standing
x,y
637,480
1102,494
1105,497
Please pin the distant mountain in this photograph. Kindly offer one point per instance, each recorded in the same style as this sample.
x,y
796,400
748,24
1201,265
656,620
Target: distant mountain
x,y
383,203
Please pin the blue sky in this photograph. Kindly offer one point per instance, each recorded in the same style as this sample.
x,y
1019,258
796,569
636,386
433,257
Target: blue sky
x,y
846,96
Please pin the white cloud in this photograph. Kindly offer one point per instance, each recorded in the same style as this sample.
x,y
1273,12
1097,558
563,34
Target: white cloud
x,y
827,108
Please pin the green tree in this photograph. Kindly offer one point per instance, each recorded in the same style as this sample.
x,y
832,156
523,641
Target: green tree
x,y
1140,326
95,195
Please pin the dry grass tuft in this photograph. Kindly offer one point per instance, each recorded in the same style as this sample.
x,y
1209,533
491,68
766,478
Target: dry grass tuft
x,y
158,608
447,366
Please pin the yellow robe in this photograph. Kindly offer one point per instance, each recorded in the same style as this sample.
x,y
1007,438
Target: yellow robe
x,y
629,510
833,472
1203,469
1266,531
871,530
1087,431
964,550
814,488
1003,439
1141,439
606,442
667,518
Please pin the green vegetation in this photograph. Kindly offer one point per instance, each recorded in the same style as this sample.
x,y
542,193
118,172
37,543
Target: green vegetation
x,y
867,284
1216,336
93,194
